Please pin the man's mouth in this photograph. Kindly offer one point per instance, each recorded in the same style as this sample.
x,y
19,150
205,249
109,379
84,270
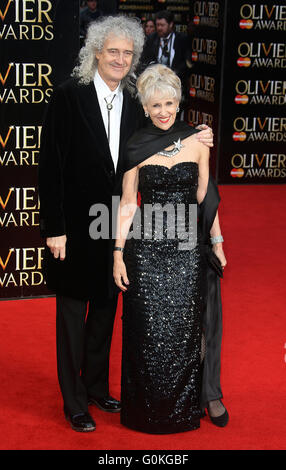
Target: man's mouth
x,y
118,67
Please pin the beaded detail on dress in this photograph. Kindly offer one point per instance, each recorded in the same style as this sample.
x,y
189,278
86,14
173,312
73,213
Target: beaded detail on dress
x,y
162,315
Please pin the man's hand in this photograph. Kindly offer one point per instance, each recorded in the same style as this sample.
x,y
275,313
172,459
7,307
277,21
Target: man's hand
x,y
206,136
57,246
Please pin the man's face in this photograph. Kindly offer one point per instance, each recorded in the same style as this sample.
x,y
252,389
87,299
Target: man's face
x,y
92,4
115,60
163,28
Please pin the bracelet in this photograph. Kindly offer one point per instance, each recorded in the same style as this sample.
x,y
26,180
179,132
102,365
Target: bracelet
x,y
118,248
217,239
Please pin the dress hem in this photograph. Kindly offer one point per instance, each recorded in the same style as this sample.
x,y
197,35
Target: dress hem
x,y
175,430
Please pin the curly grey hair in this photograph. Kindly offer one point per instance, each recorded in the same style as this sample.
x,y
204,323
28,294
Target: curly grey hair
x,y
98,31
160,79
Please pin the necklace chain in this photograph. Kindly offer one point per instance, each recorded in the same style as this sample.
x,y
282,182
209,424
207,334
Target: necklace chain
x,y
109,107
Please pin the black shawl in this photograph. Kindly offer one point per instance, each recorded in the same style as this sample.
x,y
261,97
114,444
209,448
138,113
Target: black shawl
x,y
149,140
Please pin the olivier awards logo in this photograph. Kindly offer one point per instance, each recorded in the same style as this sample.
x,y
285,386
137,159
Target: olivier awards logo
x,y
25,144
259,129
262,55
263,17
19,207
21,267
202,87
204,50
206,14
196,117
25,83
260,92
26,20
254,165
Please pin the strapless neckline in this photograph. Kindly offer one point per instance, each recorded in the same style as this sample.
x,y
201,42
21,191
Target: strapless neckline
x,y
173,166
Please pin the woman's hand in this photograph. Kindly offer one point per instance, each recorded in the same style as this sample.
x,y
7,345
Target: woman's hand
x,y
119,272
218,250
206,136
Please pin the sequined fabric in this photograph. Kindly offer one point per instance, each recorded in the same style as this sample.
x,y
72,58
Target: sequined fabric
x,y
162,315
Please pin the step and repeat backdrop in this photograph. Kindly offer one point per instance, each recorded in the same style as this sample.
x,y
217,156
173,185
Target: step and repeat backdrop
x,y
206,42
146,9
39,40
236,85
253,121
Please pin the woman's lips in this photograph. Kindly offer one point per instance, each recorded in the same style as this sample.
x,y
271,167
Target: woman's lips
x,y
164,120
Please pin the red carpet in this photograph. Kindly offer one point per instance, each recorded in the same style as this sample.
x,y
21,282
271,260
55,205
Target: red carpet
x,y
253,354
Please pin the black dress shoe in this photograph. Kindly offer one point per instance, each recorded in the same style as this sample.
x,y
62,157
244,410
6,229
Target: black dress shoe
x,y
106,404
220,421
81,422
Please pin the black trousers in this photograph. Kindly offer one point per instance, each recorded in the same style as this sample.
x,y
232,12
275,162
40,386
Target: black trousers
x,y
84,334
212,327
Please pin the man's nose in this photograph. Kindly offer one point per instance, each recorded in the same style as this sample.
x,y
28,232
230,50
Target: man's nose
x,y
120,58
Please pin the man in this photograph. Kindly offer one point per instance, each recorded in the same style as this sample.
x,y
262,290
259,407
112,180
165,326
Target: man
x,y
89,120
78,168
87,15
166,46
109,7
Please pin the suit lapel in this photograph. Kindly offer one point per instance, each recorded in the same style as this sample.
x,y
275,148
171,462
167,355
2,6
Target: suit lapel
x,y
156,47
123,130
91,110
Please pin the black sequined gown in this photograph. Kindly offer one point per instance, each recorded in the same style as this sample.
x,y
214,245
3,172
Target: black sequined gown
x,y
162,313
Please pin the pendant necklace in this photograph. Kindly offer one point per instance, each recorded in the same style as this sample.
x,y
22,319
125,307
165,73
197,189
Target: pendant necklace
x,y
174,151
109,107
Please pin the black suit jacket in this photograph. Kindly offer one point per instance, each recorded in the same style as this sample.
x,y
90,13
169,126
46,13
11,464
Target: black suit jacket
x,y
151,49
76,171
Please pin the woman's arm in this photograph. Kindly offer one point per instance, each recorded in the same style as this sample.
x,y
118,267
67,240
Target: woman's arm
x,y
126,211
201,192
217,247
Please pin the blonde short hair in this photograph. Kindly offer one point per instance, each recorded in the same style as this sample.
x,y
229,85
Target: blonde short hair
x,y
160,79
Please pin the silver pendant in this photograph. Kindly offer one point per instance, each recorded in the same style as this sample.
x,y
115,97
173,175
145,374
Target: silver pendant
x,y
174,151
109,106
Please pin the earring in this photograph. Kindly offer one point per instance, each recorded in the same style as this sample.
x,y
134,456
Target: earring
x,y
146,114
178,109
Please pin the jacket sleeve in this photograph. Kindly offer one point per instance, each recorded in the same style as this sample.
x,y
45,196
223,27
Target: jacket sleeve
x,y
55,142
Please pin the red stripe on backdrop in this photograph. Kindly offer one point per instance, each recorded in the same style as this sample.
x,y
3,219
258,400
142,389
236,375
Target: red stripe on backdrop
x,y
253,351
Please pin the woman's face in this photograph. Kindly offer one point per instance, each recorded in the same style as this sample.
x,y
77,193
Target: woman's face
x,y
149,27
162,110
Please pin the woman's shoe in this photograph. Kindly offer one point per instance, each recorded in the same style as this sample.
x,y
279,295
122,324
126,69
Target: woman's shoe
x,y
220,421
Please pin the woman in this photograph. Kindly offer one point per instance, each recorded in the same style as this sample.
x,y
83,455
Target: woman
x,y
163,277
149,27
